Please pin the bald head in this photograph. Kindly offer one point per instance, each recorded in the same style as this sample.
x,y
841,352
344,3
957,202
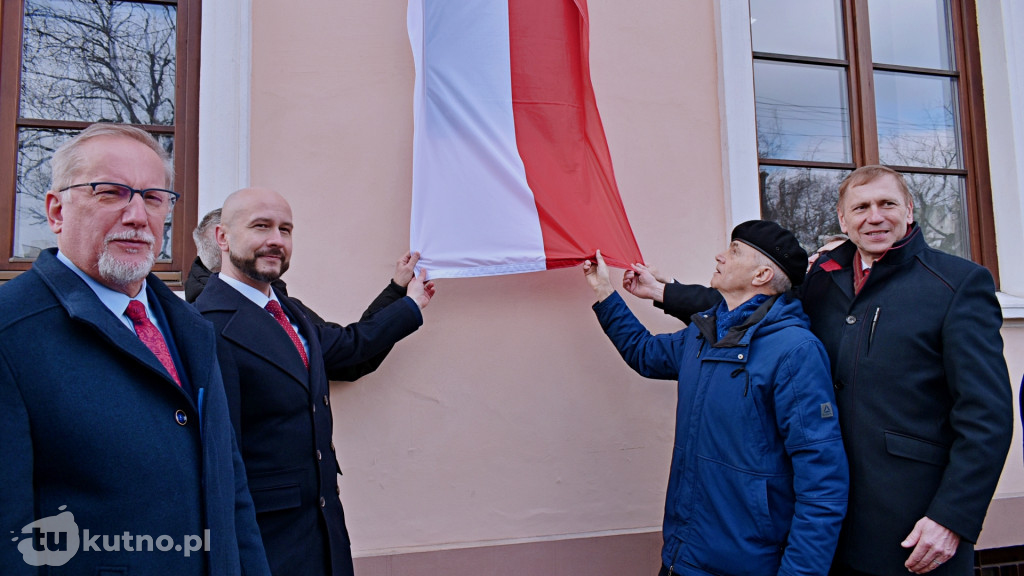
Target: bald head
x,y
255,237
247,200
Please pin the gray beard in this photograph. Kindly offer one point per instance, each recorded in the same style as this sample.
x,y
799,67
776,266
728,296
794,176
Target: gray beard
x,y
121,273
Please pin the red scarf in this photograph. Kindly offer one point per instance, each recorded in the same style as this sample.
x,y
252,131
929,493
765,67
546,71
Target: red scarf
x,y
860,273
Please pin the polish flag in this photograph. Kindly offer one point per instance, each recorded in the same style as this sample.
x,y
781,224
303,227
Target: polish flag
x,y
511,169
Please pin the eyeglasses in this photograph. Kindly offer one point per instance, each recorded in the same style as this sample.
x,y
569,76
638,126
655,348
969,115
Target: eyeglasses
x,y
114,195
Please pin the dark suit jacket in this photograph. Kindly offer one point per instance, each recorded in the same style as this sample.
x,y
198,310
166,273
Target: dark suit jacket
x,y
922,392
283,419
198,274
90,420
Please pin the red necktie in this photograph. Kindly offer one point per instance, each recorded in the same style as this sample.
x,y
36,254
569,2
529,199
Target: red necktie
x,y
275,310
151,337
860,273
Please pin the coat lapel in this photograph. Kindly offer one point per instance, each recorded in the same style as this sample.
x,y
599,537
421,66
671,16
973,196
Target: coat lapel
x,y
193,336
308,330
83,306
254,329
838,265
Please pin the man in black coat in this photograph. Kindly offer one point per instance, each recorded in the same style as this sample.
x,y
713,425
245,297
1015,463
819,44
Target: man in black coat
x,y
276,365
922,387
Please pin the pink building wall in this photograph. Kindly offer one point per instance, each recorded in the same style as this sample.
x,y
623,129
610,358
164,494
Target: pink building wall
x,y
508,420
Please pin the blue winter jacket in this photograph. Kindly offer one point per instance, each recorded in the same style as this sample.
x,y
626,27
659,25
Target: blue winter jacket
x,y
759,478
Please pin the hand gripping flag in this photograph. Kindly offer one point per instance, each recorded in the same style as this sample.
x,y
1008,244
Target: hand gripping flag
x,y
511,170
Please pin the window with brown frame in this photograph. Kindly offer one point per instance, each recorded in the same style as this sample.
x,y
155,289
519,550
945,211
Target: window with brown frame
x,y
845,83
65,64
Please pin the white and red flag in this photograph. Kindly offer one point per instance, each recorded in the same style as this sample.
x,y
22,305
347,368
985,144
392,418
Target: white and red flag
x,y
511,169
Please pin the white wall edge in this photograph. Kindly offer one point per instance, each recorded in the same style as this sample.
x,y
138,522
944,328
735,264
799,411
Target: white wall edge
x,y
1002,57
736,111
225,72
1012,306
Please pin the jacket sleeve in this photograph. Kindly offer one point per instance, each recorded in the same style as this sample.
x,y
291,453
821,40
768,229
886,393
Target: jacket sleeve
x,y
17,499
685,300
358,348
982,412
650,356
392,293
806,418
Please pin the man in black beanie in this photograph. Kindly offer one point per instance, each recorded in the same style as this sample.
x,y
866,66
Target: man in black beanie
x,y
759,481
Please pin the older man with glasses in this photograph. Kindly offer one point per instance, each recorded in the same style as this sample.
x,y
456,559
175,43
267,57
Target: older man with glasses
x,y
112,406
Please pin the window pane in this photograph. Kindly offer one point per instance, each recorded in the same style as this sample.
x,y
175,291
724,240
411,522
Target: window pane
x,y
911,33
797,27
802,112
98,61
31,230
802,200
917,120
939,209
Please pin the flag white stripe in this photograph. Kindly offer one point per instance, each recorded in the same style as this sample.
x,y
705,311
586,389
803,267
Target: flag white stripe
x,y
473,213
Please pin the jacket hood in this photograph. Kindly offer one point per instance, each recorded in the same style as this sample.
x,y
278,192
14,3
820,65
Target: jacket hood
x,y
778,312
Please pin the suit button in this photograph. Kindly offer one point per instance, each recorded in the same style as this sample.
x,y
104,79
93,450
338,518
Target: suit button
x,y
332,447
323,503
838,385
326,401
180,417
851,319
314,408
318,455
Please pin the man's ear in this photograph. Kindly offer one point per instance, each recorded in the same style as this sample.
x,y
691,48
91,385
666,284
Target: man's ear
x,y
54,211
762,277
221,237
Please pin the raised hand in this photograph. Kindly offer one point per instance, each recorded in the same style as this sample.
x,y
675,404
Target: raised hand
x,y
420,289
405,268
643,282
597,277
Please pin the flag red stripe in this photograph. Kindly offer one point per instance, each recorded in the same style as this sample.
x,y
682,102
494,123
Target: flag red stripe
x,y
560,137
